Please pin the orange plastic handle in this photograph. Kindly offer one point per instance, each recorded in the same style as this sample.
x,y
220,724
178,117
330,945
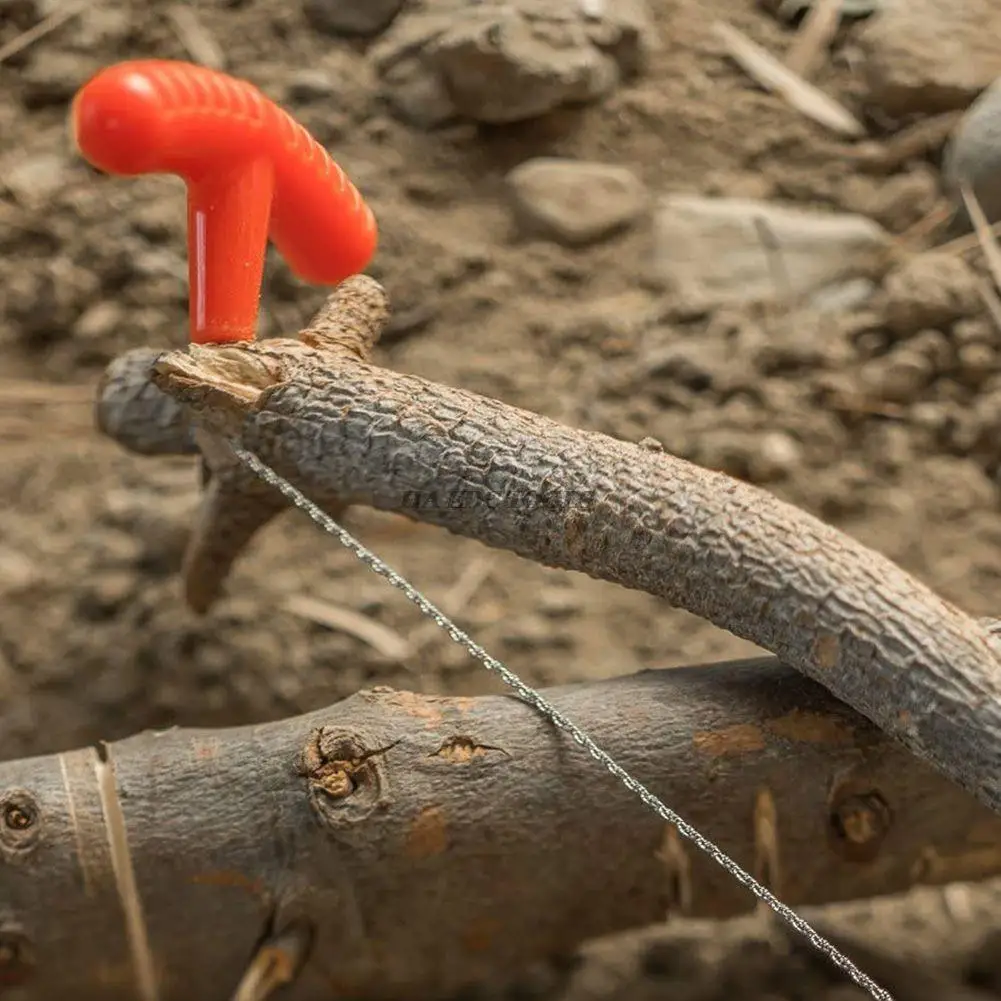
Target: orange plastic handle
x,y
251,171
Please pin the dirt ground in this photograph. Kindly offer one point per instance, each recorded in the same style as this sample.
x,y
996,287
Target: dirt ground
x,y
95,642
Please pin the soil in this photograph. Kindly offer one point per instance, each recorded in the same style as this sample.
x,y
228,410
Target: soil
x,y
95,642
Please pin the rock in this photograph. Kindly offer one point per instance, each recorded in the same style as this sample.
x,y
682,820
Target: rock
x,y
793,10
558,603
898,377
33,180
975,363
710,251
894,202
930,56
409,78
501,61
351,17
973,157
842,297
573,202
18,572
308,85
101,321
930,291
975,330
777,456
693,364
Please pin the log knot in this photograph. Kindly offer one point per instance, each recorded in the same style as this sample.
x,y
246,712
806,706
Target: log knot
x,y
859,821
346,776
20,824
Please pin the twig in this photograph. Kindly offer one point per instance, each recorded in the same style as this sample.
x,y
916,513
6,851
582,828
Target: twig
x,y
275,964
44,27
982,228
767,71
381,638
914,237
989,297
969,241
472,578
192,34
814,36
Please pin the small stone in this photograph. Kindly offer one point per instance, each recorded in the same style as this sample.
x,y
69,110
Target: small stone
x,y
415,91
930,291
710,251
100,321
691,364
929,56
18,573
33,180
889,447
105,594
574,202
793,10
898,377
559,603
843,297
308,85
500,61
935,346
975,330
895,202
930,415
351,17
776,458
975,363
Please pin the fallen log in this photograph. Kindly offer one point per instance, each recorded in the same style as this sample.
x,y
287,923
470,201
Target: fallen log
x,y
417,843
345,431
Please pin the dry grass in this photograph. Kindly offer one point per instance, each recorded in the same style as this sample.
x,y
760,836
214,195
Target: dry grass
x,y
32,410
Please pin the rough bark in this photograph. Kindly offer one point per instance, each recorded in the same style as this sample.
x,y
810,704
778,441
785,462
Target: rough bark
x,y
140,417
345,431
425,842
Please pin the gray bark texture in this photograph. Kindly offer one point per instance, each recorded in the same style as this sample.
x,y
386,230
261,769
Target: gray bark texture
x,y
347,432
417,843
407,845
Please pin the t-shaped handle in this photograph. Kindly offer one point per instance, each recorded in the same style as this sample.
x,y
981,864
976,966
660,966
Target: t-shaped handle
x,y
251,170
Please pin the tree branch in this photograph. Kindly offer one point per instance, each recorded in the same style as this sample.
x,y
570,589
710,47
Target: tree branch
x,y
422,842
345,431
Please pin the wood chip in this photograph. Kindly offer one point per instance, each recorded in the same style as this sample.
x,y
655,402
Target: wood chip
x,y
197,42
44,27
809,50
985,237
767,71
380,638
